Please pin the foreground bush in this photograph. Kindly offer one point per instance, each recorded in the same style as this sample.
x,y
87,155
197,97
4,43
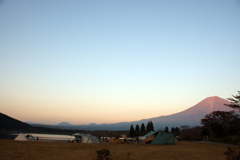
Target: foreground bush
x,y
232,154
103,154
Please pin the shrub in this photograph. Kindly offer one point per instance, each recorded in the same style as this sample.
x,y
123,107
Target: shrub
x,y
103,154
236,140
227,139
128,155
231,154
217,130
192,134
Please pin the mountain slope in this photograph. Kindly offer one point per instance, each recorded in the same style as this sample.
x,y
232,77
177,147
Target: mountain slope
x,y
8,123
64,124
193,115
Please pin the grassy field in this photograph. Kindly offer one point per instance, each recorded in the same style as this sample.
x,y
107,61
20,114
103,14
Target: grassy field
x,y
10,149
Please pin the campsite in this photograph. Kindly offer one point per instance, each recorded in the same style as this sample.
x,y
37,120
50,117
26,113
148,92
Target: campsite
x,y
10,149
153,145
119,79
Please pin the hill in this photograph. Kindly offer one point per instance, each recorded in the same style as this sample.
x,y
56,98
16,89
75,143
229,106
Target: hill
x,y
64,124
9,123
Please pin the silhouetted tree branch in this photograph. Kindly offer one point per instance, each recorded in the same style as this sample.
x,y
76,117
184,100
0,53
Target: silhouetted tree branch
x,y
235,102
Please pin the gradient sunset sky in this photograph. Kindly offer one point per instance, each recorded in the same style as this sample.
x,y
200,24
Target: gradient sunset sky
x,y
107,61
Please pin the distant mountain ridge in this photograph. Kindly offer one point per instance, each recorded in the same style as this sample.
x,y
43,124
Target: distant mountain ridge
x,y
64,124
191,116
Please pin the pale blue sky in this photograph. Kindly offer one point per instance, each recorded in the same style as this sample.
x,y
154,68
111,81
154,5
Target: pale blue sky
x,y
104,61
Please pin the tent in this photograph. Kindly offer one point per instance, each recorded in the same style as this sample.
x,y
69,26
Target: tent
x,y
146,135
111,140
117,139
148,138
164,138
158,138
123,136
86,138
89,139
21,137
78,134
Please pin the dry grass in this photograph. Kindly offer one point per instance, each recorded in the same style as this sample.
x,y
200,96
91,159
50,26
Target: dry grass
x,y
10,149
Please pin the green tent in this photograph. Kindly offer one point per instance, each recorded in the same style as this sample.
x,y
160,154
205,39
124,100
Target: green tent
x,y
164,138
161,137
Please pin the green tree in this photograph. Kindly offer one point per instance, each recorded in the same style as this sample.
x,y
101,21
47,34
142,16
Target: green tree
x,y
226,119
148,127
184,127
205,131
172,130
137,128
235,102
131,132
217,130
192,134
166,129
137,132
142,127
152,128
177,131
230,121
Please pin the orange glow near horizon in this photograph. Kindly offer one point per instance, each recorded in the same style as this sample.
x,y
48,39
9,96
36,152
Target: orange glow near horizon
x,y
56,112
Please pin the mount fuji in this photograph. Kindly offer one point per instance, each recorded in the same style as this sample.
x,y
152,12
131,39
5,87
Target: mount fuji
x,y
191,117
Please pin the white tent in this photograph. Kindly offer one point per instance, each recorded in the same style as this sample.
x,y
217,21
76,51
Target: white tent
x,y
89,139
21,137
86,138
78,134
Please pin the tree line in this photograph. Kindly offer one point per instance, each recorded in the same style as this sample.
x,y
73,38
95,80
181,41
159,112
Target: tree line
x,y
144,130
222,123
221,126
139,132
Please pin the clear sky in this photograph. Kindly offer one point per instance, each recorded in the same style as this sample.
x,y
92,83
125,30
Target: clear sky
x,y
107,61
